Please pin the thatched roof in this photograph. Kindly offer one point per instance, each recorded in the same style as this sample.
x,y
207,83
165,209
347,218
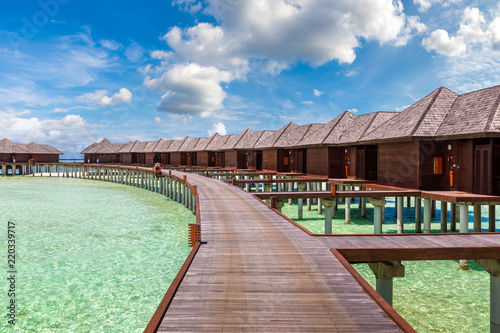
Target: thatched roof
x,y
422,119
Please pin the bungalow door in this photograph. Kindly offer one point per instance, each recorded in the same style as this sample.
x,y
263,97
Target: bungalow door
x,y
482,169
464,169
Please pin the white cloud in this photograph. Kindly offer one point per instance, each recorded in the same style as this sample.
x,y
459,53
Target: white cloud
x,y
60,110
217,128
271,36
120,97
317,93
471,32
494,30
307,102
109,44
135,52
440,42
191,89
92,97
353,110
158,120
64,133
424,5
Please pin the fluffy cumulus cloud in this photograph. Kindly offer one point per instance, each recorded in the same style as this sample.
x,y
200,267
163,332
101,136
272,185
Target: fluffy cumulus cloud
x,y
267,35
317,93
217,128
191,89
473,32
64,133
122,96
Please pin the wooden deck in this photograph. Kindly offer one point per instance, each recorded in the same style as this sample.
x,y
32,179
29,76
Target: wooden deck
x,y
257,272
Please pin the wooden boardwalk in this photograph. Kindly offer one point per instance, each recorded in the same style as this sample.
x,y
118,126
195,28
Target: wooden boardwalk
x,y
257,272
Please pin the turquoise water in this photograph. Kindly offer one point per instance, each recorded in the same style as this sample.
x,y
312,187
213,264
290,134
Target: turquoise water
x,y
434,296
91,256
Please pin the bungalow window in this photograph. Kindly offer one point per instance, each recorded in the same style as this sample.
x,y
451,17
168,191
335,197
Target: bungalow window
x,y
286,160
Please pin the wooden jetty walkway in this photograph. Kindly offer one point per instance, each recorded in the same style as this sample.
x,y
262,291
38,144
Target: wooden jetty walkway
x,y
257,272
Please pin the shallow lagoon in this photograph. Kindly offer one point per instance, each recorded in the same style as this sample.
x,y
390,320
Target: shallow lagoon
x,y
434,296
91,256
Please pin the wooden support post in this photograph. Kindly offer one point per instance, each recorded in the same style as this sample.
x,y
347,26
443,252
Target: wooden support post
x,y
444,216
433,208
492,266
453,219
477,218
408,202
384,273
290,189
378,206
363,207
313,188
328,214
400,215
492,218
418,214
427,215
308,188
464,228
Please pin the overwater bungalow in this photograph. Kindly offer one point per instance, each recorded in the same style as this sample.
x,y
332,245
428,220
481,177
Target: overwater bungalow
x,y
22,153
279,150
444,141
161,151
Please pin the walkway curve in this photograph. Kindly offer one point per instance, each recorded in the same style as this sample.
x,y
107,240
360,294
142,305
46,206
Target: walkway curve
x,y
259,273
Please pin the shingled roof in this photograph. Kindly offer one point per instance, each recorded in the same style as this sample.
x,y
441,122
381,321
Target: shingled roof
x,y
162,145
329,133
422,119
235,139
474,112
9,147
364,124
218,141
176,144
272,140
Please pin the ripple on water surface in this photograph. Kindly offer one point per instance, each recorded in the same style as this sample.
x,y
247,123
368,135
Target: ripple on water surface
x,y
91,256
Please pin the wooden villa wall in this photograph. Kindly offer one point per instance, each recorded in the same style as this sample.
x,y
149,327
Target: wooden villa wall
x,y
496,170
45,157
257,159
202,158
5,157
126,158
148,158
107,158
336,162
317,161
22,158
352,153
211,158
270,159
398,164
165,158
428,151
231,158
175,158
280,163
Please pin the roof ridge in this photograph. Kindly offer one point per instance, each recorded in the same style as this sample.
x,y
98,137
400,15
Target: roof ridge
x,y
492,114
427,109
156,145
261,134
281,134
342,115
451,108
241,137
305,134
371,122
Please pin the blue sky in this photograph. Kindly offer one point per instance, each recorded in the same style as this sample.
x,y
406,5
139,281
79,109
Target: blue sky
x,y
75,72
